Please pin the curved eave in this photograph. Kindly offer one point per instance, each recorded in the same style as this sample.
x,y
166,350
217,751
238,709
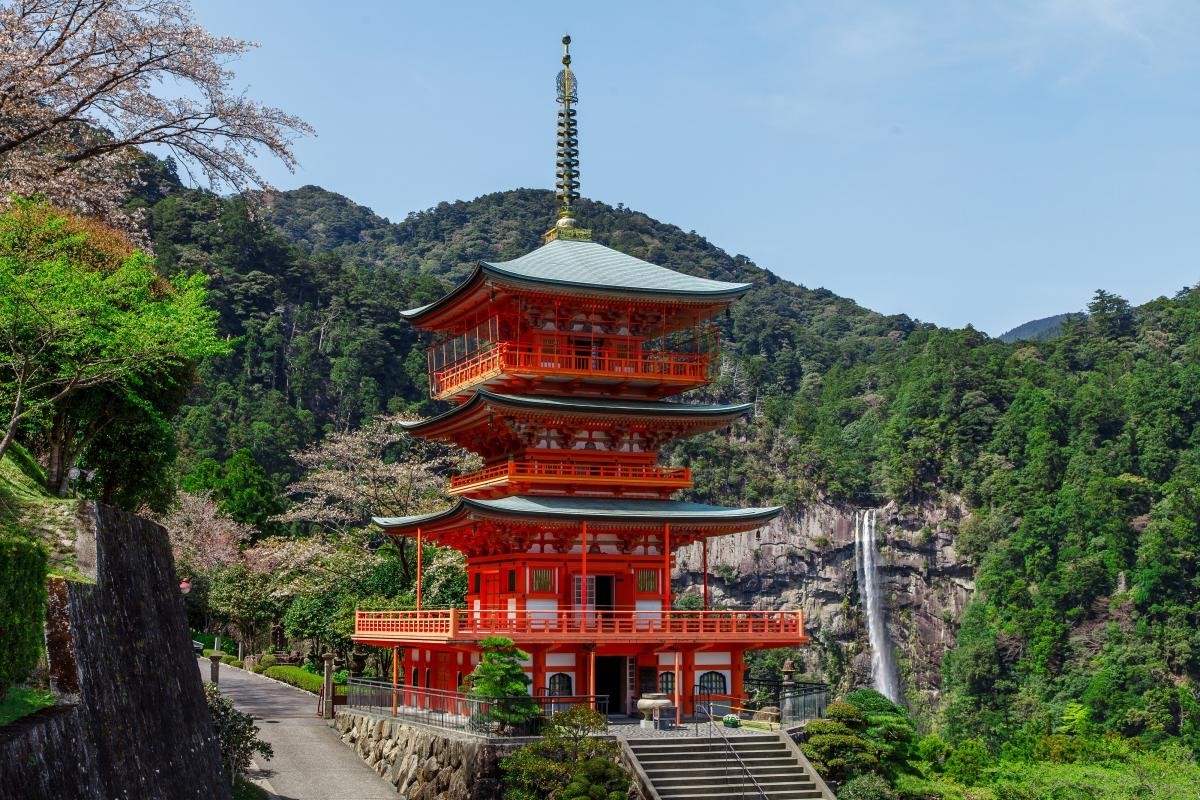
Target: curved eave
x,y
601,510
733,292
722,291
579,406
415,315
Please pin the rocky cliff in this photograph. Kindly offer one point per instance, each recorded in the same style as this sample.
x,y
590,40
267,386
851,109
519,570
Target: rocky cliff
x,y
806,560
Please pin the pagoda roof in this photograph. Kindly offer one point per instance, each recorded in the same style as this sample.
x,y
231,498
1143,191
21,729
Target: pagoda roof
x,y
582,406
592,509
589,267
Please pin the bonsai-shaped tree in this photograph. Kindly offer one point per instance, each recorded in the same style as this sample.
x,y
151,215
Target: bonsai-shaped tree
x,y
500,681
569,761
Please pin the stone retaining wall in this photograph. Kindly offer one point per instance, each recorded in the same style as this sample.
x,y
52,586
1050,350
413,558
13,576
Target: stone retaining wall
x,y
120,652
425,763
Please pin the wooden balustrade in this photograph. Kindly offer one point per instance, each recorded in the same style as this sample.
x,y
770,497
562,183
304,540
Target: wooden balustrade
x,y
534,471
562,356
775,627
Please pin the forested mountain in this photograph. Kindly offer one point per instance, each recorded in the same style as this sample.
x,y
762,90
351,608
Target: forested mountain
x,y
1044,328
1079,456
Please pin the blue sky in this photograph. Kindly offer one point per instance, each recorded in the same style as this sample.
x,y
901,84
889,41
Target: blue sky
x,y
981,162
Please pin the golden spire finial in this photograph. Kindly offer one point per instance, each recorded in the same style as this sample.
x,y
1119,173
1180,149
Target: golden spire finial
x,y
567,183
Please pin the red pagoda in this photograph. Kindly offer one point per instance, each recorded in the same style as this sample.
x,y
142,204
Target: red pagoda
x,y
560,364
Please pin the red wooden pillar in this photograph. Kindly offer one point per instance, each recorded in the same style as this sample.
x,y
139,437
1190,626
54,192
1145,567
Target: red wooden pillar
x,y
704,556
666,579
737,668
591,673
678,681
583,582
420,547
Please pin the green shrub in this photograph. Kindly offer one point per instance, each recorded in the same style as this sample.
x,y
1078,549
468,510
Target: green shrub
x,y
968,762
869,701
868,786
268,660
22,608
499,674
848,715
230,659
257,669
237,662
301,679
236,732
933,751
569,747
597,779
836,756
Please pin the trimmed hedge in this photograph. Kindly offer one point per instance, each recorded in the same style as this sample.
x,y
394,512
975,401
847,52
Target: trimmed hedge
x,y
268,660
22,608
301,679
296,677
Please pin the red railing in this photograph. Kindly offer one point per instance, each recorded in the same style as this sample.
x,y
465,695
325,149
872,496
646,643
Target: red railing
x,y
781,627
536,471
561,356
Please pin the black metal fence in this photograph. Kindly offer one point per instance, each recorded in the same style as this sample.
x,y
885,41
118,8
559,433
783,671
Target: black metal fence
x,y
797,701
484,716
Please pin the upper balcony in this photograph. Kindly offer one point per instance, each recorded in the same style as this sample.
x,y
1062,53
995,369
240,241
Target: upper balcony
x,y
560,362
538,475
748,628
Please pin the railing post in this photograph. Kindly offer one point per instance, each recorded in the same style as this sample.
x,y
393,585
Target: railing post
x,y
453,622
395,679
214,673
328,707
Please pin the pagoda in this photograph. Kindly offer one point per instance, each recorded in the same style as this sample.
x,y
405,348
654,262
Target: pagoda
x,y
561,366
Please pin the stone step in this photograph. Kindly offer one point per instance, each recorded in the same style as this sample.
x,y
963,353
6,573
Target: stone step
x,y
750,793
741,747
748,758
789,770
786,781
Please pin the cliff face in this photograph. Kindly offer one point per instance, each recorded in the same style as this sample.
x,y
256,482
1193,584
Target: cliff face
x,y
807,561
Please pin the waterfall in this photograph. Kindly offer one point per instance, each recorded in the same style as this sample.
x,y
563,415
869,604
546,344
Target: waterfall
x,y
883,665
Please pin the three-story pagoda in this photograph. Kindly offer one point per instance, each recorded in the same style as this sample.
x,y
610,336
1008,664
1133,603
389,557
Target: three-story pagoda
x,y
562,364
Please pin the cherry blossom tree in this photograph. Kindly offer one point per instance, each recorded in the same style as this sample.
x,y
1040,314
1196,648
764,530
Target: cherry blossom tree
x,y
203,538
85,82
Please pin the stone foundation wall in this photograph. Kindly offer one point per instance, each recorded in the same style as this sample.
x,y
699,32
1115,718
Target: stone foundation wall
x,y
120,651
425,763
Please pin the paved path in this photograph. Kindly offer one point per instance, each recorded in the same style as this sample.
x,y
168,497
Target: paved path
x,y
310,762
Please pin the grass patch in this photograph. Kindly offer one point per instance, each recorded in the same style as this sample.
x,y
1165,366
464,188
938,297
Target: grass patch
x,y
21,702
27,509
245,790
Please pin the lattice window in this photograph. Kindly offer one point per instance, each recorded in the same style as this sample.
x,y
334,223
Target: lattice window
x,y
666,682
541,579
647,580
712,683
560,685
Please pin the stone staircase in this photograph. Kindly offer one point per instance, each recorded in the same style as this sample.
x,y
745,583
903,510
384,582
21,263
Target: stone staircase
x,y
704,769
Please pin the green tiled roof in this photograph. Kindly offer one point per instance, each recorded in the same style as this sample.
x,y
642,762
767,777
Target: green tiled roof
x,y
594,265
583,405
587,265
592,508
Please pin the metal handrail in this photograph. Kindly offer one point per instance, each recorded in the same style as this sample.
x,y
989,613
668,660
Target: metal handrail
x,y
733,752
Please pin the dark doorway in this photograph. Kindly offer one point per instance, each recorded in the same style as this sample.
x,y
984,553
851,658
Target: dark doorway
x,y
605,593
610,680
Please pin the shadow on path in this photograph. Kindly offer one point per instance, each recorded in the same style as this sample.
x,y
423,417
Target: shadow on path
x,y
310,761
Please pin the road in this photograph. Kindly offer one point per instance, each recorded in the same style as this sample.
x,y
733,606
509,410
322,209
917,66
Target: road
x,y
310,761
